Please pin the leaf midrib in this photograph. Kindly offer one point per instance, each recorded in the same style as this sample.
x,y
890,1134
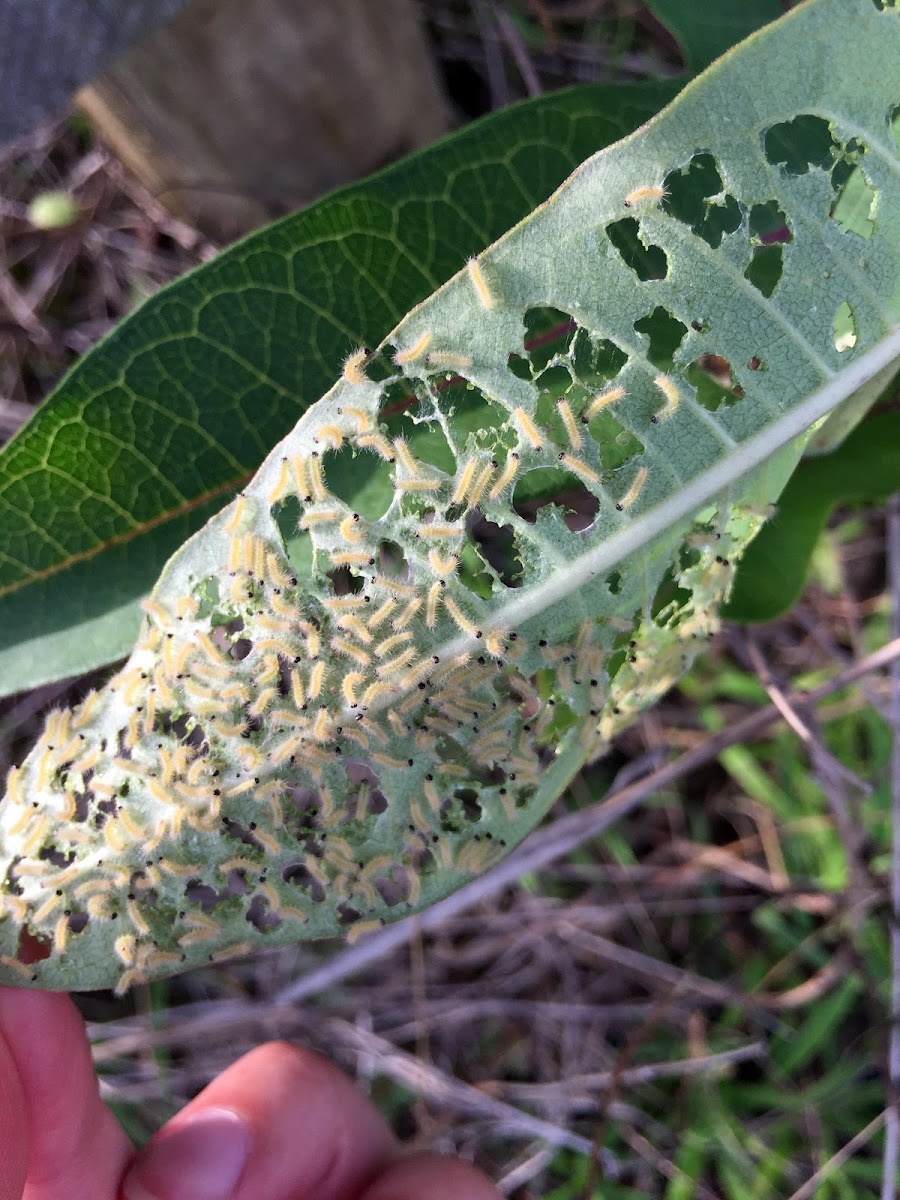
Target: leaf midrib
x,y
121,539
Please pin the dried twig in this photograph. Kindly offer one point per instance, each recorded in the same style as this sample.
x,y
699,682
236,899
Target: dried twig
x,y
428,1081
493,55
823,759
536,1159
576,1089
518,50
808,1190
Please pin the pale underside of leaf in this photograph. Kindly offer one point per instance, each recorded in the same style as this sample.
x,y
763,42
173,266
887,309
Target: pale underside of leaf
x,y
335,714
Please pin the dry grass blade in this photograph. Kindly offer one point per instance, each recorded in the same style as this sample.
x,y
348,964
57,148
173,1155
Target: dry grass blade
x,y
808,1190
577,1090
428,1081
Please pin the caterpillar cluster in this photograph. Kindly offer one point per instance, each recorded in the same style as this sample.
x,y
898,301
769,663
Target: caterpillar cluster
x,y
238,779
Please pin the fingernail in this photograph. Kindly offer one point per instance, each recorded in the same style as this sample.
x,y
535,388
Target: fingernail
x,y
202,1158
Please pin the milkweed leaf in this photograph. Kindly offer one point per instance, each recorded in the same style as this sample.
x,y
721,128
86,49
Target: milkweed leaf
x,y
865,469
704,31
158,426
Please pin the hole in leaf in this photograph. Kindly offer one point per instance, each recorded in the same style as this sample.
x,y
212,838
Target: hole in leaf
x,y
665,334
260,915
473,418
392,561
497,545
695,194
393,888
549,690
202,895
240,833
206,592
300,876
765,268
347,915
647,262
300,817
855,207
236,882
894,125
427,442
554,381
471,573
801,143
688,556
669,593
344,582
556,384
616,444
380,366
362,480
360,772
397,398
105,809
369,800
460,810
768,225
81,798
470,802
377,803
420,858
548,335
551,485
846,333
240,649
519,366
595,360
711,375
32,947
298,547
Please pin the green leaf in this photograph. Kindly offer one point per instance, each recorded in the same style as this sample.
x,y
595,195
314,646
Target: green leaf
x,y
833,431
160,424
704,31
816,1034
864,470
333,718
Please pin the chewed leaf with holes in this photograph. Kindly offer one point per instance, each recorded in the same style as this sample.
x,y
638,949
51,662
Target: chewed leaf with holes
x,y
339,712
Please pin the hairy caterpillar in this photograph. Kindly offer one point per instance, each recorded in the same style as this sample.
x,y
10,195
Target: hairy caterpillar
x,y
479,283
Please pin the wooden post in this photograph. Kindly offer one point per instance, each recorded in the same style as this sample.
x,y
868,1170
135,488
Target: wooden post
x,y
239,110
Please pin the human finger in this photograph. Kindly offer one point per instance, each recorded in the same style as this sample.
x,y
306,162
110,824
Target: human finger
x,y
430,1177
282,1123
76,1148
13,1130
